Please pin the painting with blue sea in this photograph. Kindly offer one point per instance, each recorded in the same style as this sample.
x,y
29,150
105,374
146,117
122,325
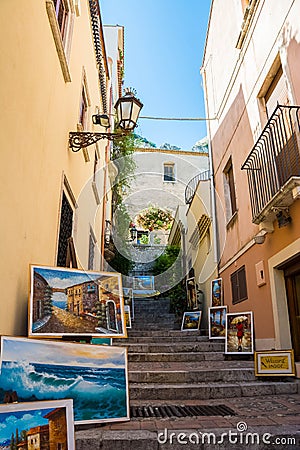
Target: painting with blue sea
x,y
94,376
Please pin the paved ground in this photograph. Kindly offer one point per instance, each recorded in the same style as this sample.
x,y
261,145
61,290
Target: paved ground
x,y
259,423
64,322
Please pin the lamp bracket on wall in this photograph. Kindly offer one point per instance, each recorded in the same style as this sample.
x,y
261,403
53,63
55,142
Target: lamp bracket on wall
x,y
82,139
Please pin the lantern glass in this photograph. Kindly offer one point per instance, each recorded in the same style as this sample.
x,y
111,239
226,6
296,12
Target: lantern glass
x,y
128,109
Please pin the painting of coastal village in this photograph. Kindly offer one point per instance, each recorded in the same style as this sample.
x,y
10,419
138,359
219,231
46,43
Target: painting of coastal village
x,y
217,322
38,425
64,302
95,377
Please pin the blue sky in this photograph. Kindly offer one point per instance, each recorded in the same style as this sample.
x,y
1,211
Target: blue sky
x,y
45,352
21,420
164,42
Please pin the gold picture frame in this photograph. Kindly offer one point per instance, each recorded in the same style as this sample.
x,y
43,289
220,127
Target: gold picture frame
x,y
274,363
72,302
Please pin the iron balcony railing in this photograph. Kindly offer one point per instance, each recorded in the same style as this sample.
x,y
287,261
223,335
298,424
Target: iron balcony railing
x,y
192,185
274,159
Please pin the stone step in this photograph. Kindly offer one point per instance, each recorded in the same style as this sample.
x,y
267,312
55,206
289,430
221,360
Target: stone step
x,y
149,308
176,357
192,376
158,305
131,437
155,317
174,347
159,323
159,339
161,333
206,391
155,327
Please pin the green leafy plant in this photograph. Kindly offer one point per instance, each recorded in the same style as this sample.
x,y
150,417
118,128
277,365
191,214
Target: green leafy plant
x,y
144,239
170,258
121,155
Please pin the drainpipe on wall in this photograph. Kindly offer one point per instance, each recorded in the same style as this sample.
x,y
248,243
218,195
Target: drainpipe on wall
x,y
184,265
212,184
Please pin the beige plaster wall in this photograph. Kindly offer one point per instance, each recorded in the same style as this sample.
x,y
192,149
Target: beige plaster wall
x,y
148,186
38,110
202,255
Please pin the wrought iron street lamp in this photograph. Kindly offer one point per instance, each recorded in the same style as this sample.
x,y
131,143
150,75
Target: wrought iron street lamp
x,y
127,108
107,232
133,233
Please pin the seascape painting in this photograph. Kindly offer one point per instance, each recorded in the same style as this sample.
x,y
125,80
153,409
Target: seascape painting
x,y
143,286
217,322
94,376
239,333
37,425
67,302
191,321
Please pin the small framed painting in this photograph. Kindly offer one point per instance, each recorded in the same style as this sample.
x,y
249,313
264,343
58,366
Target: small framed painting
x,y
94,376
191,321
217,322
239,333
191,294
72,302
143,282
274,363
216,292
22,425
127,316
128,300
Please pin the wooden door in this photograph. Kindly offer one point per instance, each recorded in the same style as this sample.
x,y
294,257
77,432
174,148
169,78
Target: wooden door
x,y
292,280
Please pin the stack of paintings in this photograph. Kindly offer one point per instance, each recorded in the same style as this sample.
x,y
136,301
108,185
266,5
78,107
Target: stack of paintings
x,y
68,304
128,306
235,328
94,376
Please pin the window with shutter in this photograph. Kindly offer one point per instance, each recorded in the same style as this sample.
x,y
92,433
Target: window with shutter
x,y
229,191
277,92
169,172
239,285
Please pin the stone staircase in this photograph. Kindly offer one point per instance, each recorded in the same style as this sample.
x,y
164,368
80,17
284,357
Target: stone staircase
x,y
172,374
151,314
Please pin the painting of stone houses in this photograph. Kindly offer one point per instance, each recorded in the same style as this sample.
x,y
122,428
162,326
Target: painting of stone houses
x,y
66,302
46,425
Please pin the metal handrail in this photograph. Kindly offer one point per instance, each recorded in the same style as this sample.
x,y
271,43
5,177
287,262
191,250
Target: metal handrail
x,y
193,184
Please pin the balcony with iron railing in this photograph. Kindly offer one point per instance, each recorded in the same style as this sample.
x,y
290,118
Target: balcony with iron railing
x,y
273,165
192,185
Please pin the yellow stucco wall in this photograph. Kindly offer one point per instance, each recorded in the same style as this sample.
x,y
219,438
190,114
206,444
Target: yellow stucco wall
x,y
39,108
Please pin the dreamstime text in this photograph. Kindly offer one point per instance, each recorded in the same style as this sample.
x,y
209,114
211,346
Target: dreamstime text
x,y
240,436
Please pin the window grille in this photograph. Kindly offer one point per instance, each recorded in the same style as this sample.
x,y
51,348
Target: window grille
x,y
65,231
